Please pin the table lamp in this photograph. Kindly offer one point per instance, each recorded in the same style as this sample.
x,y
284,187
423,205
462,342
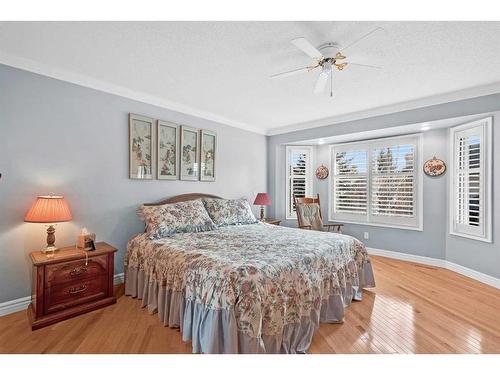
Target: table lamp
x,y
262,199
49,209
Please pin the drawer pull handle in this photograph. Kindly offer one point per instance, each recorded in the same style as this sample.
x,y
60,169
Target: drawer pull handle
x,y
78,271
80,289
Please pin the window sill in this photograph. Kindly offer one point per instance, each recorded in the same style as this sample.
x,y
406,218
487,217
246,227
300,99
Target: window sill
x,y
417,229
471,237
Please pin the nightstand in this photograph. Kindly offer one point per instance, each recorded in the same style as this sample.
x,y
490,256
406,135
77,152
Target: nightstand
x,y
69,284
273,221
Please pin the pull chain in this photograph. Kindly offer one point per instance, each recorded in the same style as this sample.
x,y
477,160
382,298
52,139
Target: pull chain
x,y
331,84
86,256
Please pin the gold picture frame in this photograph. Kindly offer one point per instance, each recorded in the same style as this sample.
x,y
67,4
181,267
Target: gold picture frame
x,y
208,152
189,154
167,150
140,147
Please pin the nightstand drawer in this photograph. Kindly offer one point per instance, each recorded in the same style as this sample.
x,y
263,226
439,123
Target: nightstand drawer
x,y
56,274
64,286
59,297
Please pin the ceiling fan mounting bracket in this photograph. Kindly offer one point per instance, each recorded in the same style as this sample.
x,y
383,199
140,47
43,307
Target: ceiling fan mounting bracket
x,y
329,49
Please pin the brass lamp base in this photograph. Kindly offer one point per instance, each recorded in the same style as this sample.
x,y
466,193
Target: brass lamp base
x,y
49,249
261,213
51,240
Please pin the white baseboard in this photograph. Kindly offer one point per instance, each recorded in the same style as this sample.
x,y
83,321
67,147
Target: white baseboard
x,y
473,274
408,257
20,304
476,275
15,305
119,278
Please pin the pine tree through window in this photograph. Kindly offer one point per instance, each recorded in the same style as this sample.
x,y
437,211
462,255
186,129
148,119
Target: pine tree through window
x,y
299,176
376,182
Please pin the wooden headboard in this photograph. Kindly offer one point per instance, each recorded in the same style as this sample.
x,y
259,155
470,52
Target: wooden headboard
x,y
182,198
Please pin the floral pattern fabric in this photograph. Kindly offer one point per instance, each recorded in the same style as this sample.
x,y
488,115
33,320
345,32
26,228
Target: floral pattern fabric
x,y
229,211
270,275
168,219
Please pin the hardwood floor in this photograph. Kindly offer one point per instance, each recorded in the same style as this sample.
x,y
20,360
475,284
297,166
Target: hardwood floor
x,y
413,309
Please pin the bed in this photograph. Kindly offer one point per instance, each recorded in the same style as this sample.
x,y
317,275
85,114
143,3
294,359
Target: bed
x,y
255,288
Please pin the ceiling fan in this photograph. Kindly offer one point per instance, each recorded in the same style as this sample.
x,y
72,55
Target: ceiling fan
x,y
328,57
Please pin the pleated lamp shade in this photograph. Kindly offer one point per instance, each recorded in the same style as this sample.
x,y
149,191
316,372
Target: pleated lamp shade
x,y
262,199
48,209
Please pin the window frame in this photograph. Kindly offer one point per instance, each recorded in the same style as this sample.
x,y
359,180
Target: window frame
x,y
308,177
486,168
369,145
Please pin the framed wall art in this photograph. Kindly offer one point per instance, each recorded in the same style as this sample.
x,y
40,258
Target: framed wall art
x,y
434,167
140,147
167,150
189,163
208,145
322,172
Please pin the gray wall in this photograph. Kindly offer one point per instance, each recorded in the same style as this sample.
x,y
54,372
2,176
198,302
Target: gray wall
x,y
70,140
481,256
429,242
434,241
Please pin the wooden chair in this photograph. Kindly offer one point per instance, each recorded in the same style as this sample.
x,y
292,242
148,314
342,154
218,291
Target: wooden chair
x,y
335,227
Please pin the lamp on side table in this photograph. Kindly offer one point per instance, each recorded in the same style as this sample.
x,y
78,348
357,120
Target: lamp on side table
x,y
49,209
262,199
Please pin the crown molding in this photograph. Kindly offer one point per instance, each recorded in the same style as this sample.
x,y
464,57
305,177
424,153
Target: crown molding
x,y
89,82
468,93
110,88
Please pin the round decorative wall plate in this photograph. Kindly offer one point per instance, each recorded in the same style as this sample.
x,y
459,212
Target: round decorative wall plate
x,y
434,167
322,172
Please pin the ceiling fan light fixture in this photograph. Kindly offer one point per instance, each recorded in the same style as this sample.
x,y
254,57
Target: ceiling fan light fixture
x,y
326,67
341,66
327,56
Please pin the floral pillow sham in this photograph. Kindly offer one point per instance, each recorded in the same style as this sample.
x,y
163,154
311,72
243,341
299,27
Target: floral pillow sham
x,y
229,211
168,219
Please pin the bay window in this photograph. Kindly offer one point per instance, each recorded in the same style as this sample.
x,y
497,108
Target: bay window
x,y
377,182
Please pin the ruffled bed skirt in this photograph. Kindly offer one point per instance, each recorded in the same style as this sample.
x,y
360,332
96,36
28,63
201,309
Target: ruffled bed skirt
x,y
216,331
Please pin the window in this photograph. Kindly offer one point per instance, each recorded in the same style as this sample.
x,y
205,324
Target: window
x,y
376,182
351,182
470,198
299,175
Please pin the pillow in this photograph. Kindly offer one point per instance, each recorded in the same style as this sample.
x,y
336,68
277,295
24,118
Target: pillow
x,y
168,219
229,211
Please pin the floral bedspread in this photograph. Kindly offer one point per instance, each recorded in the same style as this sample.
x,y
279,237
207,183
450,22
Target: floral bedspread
x,y
270,275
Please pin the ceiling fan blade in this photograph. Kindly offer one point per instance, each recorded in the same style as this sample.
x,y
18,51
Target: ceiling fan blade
x,y
305,46
321,82
377,29
364,65
293,72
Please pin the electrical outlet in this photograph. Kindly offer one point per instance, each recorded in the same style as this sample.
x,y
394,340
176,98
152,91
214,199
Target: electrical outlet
x,y
366,235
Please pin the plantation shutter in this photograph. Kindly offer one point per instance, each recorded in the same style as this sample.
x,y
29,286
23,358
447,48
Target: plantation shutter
x,y
377,182
299,175
350,183
393,181
468,181
470,198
